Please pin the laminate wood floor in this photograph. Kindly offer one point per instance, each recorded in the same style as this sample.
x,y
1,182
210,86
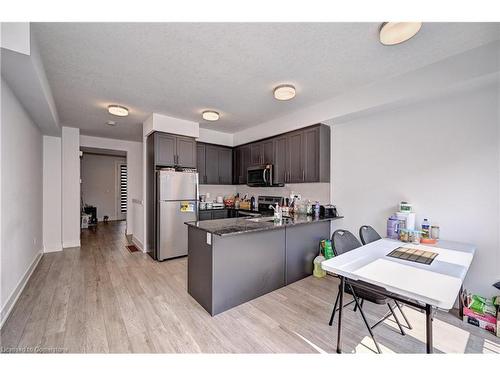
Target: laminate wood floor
x,y
101,298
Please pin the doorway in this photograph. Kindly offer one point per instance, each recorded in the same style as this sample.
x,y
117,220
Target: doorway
x,y
104,194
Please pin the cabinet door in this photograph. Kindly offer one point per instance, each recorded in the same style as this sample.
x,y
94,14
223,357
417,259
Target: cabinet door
x,y
200,163
236,165
280,171
219,214
268,152
311,155
205,215
165,145
256,154
186,152
295,157
225,166
244,163
212,164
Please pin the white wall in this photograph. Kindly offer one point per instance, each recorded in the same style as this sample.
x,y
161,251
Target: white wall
x,y
442,155
216,137
135,202
21,206
162,123
15,36
100,178
70,187
52,198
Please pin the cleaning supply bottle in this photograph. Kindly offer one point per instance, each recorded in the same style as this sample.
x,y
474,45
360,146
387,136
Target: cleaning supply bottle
x,y
277,214
393,227
316,209
426,228
318,271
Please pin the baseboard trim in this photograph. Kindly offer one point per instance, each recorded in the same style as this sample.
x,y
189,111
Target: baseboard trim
x,y
138,244
52,249
11,301
71,244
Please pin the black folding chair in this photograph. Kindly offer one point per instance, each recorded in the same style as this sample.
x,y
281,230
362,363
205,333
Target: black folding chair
x,y
344,241
367,234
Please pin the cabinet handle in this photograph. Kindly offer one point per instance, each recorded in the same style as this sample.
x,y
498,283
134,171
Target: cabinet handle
x,y
303,176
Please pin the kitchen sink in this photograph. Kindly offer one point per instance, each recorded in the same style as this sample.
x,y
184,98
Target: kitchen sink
x,y
260,219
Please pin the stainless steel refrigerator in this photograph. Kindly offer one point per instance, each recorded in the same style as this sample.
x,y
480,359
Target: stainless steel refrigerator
x,y
177,202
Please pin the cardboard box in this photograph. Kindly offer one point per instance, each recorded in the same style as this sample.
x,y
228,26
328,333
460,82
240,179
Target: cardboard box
x,y
484,321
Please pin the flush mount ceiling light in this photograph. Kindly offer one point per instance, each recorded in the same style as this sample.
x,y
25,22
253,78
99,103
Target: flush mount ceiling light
x,y
284,92
118,110
392,33
210,115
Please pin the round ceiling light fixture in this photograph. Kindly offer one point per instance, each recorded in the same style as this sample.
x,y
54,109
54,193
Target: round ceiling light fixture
x,y
392,33
284,92
210,115
118,110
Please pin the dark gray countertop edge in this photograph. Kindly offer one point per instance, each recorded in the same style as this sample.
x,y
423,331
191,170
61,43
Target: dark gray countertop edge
x,y
264,228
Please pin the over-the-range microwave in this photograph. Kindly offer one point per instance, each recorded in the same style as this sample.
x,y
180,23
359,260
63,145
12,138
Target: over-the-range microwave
x,y
261,175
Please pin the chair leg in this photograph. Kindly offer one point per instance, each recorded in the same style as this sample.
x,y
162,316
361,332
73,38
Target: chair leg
x,y
334,309
404,316
396,319
361,304
381,320
366,321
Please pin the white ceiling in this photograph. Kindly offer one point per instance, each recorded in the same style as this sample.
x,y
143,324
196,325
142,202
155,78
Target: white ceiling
x,y
180,69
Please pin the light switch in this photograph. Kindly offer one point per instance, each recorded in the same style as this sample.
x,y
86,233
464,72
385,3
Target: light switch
x,y
209,238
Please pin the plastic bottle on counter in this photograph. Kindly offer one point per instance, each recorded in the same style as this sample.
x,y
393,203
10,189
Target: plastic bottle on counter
x,y
426,228
318,271
316,209
393,227
277,214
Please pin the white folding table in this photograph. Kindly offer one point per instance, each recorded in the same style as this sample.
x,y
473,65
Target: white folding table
x,y
415,284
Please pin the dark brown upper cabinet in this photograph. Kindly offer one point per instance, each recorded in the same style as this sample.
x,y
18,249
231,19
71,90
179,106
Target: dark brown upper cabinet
x,y
164,146
173,150
295,156
200,163
261,152
225,161
242,160
299,156
215,164
268,151
280,164
186,152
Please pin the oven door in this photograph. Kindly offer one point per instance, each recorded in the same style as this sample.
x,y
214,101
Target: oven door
x,y
259,176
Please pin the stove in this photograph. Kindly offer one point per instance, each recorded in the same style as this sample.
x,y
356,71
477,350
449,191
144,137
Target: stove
x,y
265,201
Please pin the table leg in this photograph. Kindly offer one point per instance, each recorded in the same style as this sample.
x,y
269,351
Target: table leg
x,y
339,333
428,328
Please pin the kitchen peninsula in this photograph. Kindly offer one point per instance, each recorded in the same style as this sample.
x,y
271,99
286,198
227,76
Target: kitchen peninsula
x,y
232,261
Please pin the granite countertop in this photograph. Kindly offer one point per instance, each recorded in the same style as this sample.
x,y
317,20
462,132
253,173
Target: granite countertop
x,y
233,226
